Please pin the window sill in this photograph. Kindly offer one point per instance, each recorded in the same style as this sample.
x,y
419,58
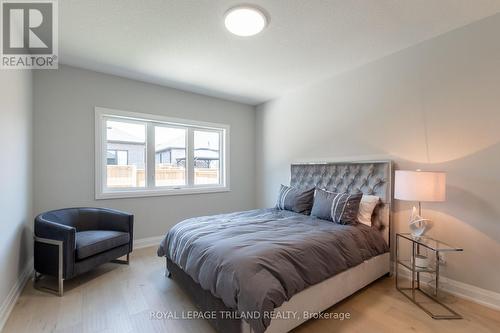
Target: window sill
x,y
159,192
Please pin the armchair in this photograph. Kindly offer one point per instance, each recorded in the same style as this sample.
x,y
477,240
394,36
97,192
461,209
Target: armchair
x,y
69,242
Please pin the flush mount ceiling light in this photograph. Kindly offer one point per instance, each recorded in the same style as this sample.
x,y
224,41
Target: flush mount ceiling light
x,y
245,20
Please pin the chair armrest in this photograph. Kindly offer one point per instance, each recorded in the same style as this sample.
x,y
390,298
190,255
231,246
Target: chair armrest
x,y
55,231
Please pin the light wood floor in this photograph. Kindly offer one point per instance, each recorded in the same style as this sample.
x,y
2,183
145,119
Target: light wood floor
x,y
117,298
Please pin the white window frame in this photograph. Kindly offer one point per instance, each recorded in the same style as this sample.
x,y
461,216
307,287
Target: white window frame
x,y
103,192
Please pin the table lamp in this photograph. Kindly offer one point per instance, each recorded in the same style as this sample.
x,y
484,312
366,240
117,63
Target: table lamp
x,y
420,186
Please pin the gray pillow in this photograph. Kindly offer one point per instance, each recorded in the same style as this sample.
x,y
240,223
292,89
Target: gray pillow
x,y
337,207
296,200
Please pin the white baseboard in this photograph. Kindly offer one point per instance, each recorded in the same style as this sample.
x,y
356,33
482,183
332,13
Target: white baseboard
x,y
11,299
488,298
147,242
472,293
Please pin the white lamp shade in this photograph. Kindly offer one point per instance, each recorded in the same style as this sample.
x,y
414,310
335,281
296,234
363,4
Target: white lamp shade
x,y
420,185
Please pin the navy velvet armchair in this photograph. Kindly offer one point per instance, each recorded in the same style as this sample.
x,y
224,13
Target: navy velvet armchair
x,y
68,242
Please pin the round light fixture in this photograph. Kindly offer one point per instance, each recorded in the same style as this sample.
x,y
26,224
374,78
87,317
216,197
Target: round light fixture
x,y
245,21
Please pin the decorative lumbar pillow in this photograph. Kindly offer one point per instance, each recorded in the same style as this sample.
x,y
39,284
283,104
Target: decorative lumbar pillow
x,y
294,199
337,207
366,207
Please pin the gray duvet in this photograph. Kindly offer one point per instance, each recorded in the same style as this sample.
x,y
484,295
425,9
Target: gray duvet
x,y
256,260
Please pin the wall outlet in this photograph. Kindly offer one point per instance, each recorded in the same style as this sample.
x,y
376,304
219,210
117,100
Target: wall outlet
x,y
442,258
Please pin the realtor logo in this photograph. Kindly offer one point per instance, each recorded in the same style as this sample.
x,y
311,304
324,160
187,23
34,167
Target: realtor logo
x,y
29,34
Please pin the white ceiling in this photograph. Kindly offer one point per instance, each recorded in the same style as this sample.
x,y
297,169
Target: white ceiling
x,y
183,43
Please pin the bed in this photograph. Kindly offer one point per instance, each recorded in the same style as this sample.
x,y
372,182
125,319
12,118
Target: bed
x,y
269,269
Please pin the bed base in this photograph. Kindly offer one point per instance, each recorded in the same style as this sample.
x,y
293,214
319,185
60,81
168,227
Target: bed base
x,y
314,299
204,300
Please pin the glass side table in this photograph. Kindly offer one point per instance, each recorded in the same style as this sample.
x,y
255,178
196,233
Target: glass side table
x,y
414,292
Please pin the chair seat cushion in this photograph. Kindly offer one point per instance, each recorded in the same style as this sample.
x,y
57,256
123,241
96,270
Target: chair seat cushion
x,y
91,242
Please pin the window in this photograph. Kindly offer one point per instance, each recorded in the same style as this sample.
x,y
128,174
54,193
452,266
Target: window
x,y
145,155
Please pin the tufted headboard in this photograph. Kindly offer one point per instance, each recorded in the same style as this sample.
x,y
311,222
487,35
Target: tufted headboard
x,y
368,177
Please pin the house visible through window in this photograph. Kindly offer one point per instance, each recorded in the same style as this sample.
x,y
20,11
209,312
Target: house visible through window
x,y
150,155
126,153
117,157
170,151
206,157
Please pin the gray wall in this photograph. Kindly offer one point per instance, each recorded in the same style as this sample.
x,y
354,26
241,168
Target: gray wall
x,y
16,112
433,106
64,145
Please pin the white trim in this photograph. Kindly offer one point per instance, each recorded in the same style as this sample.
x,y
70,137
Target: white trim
x,y
161,192
14,293
488,298
189,154
159,118
150,190
472,293
147,242
150,155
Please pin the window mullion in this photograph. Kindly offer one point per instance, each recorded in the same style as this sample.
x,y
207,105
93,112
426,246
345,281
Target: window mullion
x,y
104,154
150,156
190,157
222,158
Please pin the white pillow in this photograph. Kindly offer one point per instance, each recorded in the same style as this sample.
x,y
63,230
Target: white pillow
x,y
366,207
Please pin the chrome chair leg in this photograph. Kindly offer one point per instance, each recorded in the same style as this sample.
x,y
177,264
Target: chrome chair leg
x,y
60,280
60,286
